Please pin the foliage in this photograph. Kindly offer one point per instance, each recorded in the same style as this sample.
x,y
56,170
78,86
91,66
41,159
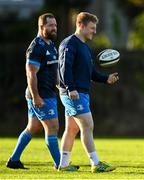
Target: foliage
x,y
70,3
136,37
100,41
17,30
131,7
137,3
126,154
134,10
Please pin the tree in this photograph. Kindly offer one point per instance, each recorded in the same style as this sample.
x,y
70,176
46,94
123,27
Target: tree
x,y
136,37
70,3
132,7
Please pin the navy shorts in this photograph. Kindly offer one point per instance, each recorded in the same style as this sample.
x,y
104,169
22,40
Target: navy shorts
x,y
47,111
76,107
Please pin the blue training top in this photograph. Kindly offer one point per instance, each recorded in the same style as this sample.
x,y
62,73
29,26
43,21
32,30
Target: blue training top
x,y
43,55
76,69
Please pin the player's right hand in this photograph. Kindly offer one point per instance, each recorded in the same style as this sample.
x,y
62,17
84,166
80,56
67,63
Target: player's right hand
x,y
38,102
113,78
74,95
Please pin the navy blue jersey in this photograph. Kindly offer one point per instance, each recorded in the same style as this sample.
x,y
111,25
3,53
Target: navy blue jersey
x,y
76,69
45,56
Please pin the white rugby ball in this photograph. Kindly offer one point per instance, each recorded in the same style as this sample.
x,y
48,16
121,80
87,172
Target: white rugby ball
x,y
108,57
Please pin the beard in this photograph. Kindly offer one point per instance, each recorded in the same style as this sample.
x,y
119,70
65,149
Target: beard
x,y
51,35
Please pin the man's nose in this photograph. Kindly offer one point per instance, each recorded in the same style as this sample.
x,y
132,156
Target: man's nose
x,y
55,28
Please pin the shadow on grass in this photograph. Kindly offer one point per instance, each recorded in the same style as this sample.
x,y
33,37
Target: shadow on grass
x,y
134,173
120,166
129,166
32,163
39,164
87,167
47,167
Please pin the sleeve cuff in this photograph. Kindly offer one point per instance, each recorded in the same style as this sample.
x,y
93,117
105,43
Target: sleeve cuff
x,y
71,88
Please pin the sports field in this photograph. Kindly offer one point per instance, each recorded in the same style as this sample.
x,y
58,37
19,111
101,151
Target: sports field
x,y
126,154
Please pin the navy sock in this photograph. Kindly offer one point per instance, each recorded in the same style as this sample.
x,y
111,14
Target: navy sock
x,y
22,142
52,143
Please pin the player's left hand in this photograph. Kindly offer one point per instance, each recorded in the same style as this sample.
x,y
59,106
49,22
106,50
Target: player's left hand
x,y
113,78
74,95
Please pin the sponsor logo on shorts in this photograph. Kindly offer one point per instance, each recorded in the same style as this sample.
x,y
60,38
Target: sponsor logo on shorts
x,y
80,107
51,112
43,114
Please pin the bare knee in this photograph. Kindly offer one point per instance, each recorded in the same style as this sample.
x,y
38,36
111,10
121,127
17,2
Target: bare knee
x,y
51,126
85,122
72,131
54,128
72,127
87,129
34,130
34,127
90,127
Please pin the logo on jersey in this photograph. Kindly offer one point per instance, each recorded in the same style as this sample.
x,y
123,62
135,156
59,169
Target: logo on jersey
x,y
80,107
51,112
54,57
47,53
52,62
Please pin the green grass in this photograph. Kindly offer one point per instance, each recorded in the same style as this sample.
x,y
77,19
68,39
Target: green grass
x,y
126,154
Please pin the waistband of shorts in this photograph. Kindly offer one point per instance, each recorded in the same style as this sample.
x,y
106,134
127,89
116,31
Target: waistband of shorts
x,y
80,90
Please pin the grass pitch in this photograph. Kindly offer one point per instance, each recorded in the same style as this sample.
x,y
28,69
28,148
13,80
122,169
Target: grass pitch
x,y
126,154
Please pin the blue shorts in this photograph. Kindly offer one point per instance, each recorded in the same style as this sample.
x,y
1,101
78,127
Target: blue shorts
x,y
47,111
76,107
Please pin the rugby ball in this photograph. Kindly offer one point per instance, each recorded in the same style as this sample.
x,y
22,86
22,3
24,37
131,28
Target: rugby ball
x,y
108,57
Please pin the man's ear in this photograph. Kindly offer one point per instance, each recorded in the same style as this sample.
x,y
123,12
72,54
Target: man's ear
x,y
41,27
81,26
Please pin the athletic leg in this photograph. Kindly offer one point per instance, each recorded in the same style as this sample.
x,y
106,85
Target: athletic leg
x,y
51,127
85,122
86,125
71,130
33,127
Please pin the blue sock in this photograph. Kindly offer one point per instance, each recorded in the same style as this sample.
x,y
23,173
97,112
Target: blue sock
x,y
52,143
23,140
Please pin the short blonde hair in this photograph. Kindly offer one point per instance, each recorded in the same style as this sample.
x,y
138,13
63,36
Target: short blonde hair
x,y
85,18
